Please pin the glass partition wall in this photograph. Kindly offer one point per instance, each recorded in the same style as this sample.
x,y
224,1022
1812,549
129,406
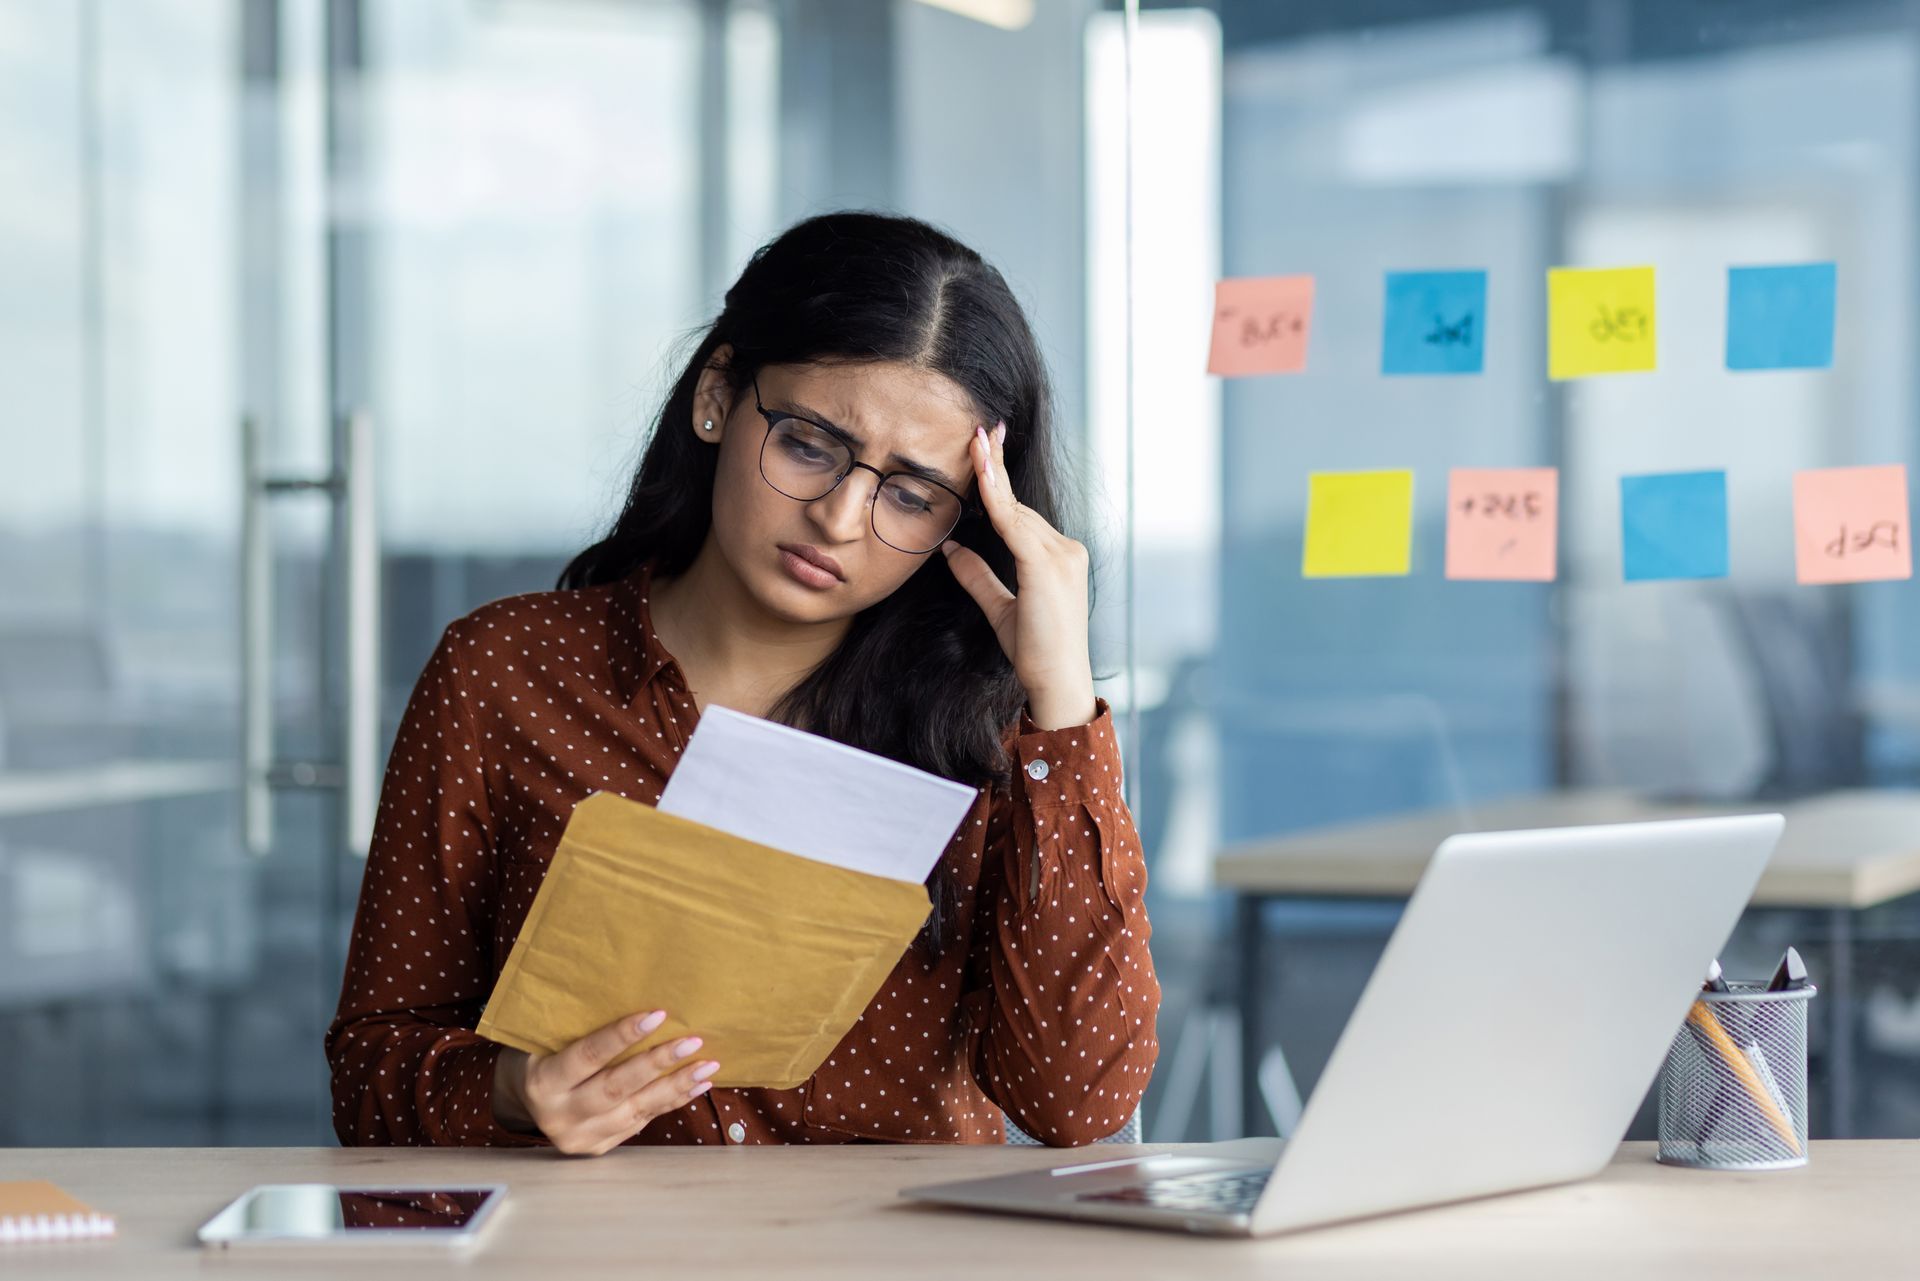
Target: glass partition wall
x,y
326,321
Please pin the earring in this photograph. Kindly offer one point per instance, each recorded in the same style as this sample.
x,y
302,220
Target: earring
x,y
707,425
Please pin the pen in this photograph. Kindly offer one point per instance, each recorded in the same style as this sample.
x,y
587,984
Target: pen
x,y
1791,975
1717,1109
1716,981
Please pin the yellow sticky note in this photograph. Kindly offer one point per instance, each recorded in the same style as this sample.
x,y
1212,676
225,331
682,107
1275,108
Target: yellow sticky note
x,y
1359,524
1599,321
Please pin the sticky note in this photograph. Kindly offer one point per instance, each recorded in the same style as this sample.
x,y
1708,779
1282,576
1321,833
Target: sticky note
x,y
1260,325
1503,523
1780,317
1599,321
1850,524
1674,525
1436,322
1359,524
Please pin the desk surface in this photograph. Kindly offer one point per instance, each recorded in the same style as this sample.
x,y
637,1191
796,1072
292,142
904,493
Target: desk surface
x,y
832,1212
1840,849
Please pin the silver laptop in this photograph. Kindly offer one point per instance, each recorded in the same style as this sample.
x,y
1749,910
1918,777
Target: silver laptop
x,y
1509,1033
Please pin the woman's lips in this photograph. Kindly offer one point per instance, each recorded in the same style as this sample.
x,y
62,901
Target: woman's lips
x,y
805,572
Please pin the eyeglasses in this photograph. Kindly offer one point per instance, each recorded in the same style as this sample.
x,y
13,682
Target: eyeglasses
x,y
803,460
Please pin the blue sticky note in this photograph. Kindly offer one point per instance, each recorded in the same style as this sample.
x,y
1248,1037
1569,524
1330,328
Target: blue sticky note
x,y
1780,317
1674,525
1436,322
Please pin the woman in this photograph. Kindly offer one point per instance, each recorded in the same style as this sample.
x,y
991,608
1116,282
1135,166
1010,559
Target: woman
x,y
845,521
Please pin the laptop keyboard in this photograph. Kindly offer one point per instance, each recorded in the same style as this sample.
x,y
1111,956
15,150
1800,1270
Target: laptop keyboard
x,y
1221,1193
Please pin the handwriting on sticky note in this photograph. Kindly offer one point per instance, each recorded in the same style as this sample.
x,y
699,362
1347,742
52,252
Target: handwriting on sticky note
x,y
1850,524
1496,504
1260,325
1883,535
1600,321
1619,324
1674,525
1780,317
1434,322
1359,524
1503,523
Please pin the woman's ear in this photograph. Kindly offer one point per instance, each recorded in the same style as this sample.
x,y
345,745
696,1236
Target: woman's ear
x,y
713,397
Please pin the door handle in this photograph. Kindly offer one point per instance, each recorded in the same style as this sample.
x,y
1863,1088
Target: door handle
x,y
256,647
355,540
360,597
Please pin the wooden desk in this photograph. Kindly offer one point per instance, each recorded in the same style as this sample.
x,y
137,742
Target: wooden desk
x,y
1841,851
833,1213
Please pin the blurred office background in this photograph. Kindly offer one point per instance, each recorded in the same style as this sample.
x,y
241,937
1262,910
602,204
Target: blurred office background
x,y
482,229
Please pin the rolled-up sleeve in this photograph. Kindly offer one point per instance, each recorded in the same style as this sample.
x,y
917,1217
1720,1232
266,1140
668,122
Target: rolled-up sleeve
x,y
407,1067
1060,943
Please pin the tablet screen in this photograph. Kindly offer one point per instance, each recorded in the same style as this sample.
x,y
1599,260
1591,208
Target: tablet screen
x,y
428,1211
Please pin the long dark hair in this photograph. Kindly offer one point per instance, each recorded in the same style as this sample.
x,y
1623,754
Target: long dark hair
x,y
919,677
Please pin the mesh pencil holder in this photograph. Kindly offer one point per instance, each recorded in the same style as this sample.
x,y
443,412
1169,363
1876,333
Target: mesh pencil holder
x,y
1733,1091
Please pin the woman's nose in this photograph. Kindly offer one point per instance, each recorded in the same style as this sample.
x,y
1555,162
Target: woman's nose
x,y
842,514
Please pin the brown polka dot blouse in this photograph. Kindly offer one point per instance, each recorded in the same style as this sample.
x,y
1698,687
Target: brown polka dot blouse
x,y
1043,1009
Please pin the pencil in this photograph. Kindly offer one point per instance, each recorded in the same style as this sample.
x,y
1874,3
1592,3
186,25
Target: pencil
x,y
1703,1019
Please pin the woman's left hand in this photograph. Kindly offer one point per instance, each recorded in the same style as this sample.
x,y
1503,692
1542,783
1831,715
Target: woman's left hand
x,y
1044,628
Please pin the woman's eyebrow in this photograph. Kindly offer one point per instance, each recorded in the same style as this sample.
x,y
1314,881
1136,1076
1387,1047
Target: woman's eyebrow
x,y
855,443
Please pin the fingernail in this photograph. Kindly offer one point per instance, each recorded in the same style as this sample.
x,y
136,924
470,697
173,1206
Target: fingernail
x,y
650,1022
949,547
699,1089
1000,433
686,1047
705,1070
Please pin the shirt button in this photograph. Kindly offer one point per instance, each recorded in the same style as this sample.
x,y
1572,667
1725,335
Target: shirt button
x,y
1036,770
737,1132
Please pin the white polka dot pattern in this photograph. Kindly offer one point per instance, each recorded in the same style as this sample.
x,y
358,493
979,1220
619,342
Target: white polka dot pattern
x,y
1042,1006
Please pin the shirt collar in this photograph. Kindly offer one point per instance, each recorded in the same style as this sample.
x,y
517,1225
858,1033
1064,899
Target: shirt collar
x,y
634,652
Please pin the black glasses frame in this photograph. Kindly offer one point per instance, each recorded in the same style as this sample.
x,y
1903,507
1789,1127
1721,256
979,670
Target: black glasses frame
x,y
968,506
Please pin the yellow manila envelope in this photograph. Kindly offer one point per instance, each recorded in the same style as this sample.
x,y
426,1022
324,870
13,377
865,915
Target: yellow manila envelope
x,y
767,956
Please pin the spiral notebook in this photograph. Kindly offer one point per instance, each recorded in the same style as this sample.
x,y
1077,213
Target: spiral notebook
x,y
35,1210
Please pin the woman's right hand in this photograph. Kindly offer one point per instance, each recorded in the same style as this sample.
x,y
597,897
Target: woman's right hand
x,y
586,1107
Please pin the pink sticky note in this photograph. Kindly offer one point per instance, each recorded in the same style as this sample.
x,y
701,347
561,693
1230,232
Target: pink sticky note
x,y
1260,325
1503,523
1850,524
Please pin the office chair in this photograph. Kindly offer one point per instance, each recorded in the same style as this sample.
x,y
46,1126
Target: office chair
x,y
1800,655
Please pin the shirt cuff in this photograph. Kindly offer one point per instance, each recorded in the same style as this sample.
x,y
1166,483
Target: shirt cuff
x,y
475,1100
1075,765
